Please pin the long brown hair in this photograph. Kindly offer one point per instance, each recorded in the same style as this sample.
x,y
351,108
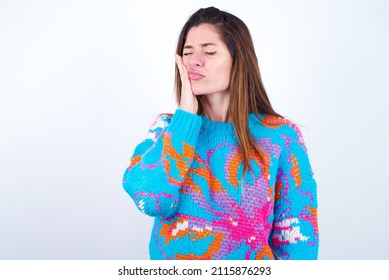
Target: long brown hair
x,y
248,95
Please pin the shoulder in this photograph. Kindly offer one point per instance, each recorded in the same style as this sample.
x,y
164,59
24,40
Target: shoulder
x,y
276,127
160,122
162,119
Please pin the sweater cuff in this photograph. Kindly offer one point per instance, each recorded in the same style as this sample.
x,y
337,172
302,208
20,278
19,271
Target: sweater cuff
x,y
185,124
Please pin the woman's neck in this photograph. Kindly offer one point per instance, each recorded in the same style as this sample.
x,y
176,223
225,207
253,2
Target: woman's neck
x,y
215,106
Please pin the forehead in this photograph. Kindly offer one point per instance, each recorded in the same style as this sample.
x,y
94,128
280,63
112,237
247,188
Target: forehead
x,y
204,33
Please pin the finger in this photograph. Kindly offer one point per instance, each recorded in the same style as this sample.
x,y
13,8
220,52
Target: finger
x,y
179,62
181,66
178,59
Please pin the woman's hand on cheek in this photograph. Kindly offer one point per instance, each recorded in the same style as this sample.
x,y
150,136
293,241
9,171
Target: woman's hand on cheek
x,y
188,101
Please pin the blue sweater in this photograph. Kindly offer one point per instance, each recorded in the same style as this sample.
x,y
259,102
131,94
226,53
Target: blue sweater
x,y
188,175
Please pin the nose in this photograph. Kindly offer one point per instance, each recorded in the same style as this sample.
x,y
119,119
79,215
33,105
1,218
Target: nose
x,y
195,60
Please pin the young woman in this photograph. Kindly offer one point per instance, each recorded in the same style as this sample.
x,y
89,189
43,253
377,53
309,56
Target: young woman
x,y
225,177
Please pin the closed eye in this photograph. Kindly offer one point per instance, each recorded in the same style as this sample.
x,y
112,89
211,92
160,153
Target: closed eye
x,y
187,53
210,53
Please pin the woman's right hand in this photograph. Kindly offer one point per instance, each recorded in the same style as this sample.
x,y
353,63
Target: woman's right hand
x,y
188,101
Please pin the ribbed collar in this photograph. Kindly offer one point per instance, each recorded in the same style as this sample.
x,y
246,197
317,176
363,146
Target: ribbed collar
x,y
224,128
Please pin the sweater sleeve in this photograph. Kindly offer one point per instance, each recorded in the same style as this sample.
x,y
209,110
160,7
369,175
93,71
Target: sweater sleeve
x,y
159,164
295,227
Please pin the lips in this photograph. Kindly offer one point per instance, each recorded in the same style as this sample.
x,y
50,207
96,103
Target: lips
x,y
193,75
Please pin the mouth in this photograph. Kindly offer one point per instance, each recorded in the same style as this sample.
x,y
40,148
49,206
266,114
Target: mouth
x,y
195,75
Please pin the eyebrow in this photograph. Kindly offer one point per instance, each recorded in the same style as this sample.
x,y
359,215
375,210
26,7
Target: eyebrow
x,y
202,45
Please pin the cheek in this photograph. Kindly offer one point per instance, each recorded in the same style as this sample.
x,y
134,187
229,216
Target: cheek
x,y
224,71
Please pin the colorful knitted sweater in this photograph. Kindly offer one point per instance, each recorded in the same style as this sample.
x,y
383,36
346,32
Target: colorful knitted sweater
x,y
188,174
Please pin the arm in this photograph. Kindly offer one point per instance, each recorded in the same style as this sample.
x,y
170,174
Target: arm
x,y
295,228
159,164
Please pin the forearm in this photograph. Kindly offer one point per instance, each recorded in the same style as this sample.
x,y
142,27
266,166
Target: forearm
x,y
155,177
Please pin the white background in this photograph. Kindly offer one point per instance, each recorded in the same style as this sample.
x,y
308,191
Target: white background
x,y
81,81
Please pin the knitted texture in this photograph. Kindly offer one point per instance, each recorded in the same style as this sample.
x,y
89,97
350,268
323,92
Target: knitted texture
x,y
188,175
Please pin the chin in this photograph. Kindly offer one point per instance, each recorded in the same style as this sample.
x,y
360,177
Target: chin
x,y
199,92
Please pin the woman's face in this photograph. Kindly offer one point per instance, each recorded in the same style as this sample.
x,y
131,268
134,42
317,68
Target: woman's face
x,y
207,60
